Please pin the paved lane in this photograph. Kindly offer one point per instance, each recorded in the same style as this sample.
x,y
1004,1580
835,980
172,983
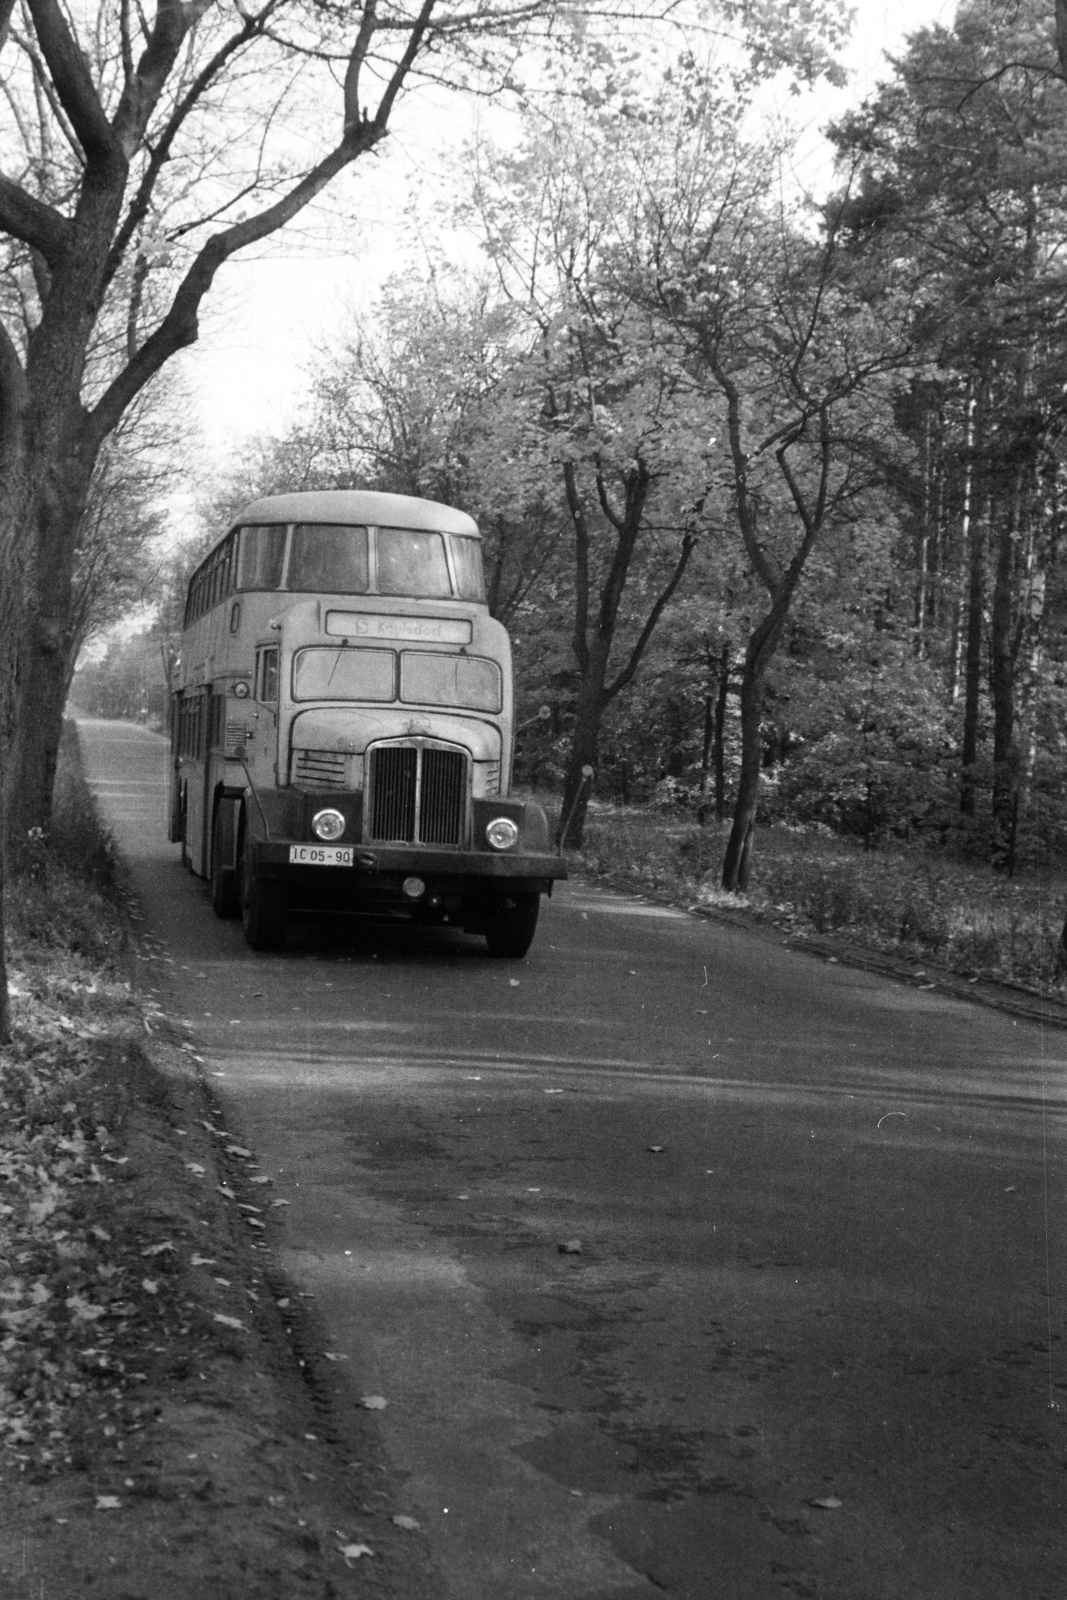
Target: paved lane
x,y
820,1222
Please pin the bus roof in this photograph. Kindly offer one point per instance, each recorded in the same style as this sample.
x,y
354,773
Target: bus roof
x,y
359,506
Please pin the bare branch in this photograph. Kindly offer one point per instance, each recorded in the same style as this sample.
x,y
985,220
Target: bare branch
x,y
628,672
179,328
175,19
139,205
33,222
73,84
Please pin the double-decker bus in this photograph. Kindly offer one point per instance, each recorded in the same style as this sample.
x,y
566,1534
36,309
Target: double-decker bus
x,y
342,729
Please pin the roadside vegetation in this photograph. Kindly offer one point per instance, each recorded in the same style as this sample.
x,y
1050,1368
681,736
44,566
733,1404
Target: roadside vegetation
x,y
62,1106
911,902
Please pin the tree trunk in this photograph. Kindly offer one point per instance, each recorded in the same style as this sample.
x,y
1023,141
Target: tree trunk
x,y
44,645
737,861
718,747
577,784
1002,683
972,673
5,1001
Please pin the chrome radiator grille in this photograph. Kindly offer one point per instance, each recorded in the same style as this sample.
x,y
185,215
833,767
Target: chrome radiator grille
x,y
418,795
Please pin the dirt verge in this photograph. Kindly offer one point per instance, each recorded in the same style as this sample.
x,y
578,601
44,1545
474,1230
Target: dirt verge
x,y
174,1427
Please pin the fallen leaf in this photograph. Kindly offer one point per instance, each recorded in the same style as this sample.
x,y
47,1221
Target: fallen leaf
x,y
204,1261
408,1523
657,1149
352,1552
223,1189
237,1150
149,1286
108,1502
332,1355
828,1503
570,1247
229,1322
373,1402
194,1166
158,1249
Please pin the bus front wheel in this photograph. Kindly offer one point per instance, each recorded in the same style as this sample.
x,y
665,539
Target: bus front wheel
x,y
511,925
264,908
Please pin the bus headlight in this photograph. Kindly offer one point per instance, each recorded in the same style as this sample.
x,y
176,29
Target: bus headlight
x,y
501,833
328,825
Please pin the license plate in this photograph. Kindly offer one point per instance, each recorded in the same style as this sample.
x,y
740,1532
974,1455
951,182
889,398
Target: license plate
x,y
320,855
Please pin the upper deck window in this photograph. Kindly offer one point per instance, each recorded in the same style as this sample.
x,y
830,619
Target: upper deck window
x,y
467,555
412,563
330,557
260,564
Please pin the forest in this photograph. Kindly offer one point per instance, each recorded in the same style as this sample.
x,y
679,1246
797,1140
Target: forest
x,y
772,492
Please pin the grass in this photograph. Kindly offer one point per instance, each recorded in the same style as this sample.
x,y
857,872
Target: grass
x,y
914,903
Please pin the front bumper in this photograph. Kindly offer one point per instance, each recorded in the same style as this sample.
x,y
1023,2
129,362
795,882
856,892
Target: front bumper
x,y
464,882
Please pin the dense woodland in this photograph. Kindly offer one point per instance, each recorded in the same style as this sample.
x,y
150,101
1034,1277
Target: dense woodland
x,y
773,493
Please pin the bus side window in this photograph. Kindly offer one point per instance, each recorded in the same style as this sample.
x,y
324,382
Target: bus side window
x,y
467,556
268,675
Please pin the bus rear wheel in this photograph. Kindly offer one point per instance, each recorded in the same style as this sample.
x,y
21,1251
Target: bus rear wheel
x,y
264,908
511,925
225,900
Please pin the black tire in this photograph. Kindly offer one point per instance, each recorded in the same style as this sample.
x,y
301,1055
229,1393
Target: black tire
x,y
511,925
225,899
264,908
183,827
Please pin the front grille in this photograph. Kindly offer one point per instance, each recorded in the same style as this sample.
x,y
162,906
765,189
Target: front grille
x,y
418,795
320,769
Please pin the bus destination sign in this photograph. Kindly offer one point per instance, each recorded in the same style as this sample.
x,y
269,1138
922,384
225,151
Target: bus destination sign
x,y
408,630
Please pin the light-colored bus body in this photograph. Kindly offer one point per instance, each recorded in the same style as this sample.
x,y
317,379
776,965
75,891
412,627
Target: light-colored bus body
x,y
338,657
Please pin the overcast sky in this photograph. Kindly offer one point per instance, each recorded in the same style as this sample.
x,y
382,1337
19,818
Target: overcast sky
x,y
248,371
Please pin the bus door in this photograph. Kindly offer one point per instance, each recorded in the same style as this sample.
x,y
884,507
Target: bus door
x,y
263,753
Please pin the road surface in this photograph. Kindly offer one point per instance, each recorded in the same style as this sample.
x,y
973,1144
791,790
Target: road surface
x,y
806,1333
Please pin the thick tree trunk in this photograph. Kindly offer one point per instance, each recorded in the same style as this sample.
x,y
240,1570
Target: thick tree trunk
x,y
44,644
14,497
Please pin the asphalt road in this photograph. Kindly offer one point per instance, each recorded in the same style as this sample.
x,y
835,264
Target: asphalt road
x,y
809,1339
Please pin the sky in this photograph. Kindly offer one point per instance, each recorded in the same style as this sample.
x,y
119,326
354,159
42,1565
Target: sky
x,y
268,316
